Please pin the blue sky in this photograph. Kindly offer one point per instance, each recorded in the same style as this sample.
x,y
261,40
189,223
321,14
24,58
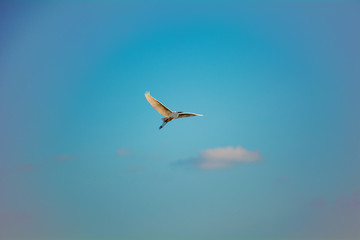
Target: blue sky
x,y
81,154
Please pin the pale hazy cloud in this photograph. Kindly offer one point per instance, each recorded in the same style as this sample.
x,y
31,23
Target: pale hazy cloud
x,y
222,157
135,168
65,157
349,201
283,179
12,223
123,152
320,202
154,155
337,218
62,157
19,169
25,167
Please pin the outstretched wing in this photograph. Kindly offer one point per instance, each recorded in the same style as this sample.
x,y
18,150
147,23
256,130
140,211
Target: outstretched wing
x,y
158,105
182,115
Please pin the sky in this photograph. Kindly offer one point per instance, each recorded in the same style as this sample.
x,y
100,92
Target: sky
x,y
275,157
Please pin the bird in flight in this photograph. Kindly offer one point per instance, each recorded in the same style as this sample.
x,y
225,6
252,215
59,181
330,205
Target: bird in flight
x,y
167,113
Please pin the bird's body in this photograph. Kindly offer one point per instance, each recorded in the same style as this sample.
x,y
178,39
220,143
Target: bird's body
x,y
167,113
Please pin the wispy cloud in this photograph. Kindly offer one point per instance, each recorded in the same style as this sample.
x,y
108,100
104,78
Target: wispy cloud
x,y
222,157
123,152
25,167
335,218
14,223
65,157
318,203
350,201
135,168
283,179
343,202
19,169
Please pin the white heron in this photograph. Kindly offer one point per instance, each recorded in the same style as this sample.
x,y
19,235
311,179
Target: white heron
x,y
167,113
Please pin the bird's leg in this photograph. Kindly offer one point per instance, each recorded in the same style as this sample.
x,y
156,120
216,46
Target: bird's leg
x,y
164,123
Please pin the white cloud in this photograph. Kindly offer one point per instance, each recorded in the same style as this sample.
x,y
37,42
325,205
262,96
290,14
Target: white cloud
x,y
225,157
222,157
